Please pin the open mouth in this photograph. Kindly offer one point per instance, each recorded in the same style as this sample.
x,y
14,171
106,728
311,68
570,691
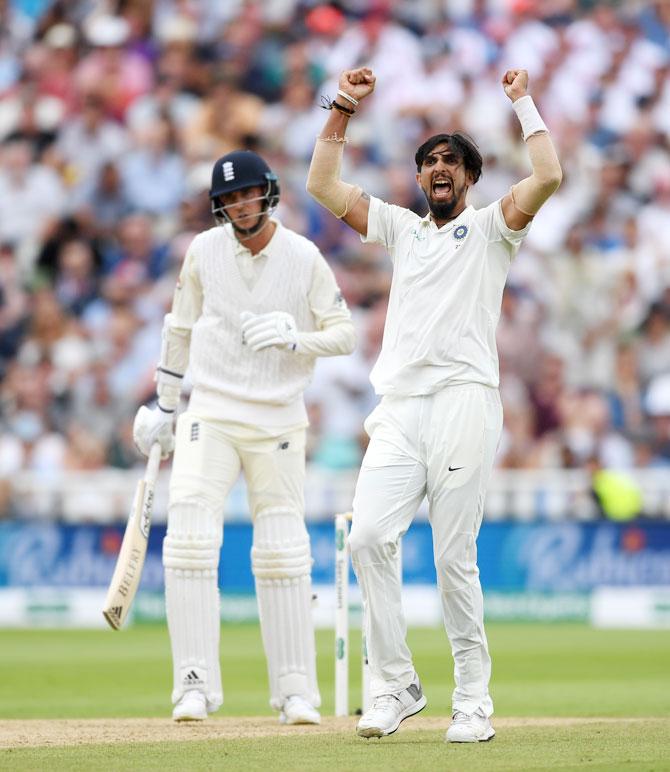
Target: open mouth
x,y
441,188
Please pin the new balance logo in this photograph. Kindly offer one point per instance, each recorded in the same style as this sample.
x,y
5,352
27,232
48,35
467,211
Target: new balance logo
x,y
228,171
195,431
192,678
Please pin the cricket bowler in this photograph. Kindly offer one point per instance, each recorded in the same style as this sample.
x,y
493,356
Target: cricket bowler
x,y
437,427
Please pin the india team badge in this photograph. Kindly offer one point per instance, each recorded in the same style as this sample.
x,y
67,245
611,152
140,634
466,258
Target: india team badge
x,y
460,232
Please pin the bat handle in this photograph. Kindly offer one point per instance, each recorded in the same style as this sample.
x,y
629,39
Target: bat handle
x,y
153,463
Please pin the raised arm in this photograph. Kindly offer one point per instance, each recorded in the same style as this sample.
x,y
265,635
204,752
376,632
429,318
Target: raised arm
x,y
525,198
345,201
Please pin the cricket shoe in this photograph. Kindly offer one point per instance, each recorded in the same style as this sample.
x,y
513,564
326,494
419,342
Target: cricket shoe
x,y
388,710
297,710
474,728
191,707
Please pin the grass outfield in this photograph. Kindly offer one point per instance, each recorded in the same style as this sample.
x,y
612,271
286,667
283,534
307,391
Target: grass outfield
x,y
539,671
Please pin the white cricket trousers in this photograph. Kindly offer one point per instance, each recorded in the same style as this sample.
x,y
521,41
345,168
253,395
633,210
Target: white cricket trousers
x,y
209,455
441,446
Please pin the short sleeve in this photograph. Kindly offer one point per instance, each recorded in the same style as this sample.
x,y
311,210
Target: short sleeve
x,y
514,237
492,223
385,221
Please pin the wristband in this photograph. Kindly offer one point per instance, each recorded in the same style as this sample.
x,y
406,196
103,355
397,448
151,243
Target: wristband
x,y
342,109
529,117
346,96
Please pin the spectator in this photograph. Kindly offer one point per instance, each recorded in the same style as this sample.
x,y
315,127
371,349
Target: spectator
x,y
27,438
118,74
58,59
90,141
657,407
139,256
654,345
76,282
31,197
153,174
103,201
227,120
13,306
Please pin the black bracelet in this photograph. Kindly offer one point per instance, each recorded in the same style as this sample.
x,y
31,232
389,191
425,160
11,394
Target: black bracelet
x,y
330,104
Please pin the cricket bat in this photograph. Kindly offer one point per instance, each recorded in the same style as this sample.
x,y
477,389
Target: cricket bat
x,y
129,564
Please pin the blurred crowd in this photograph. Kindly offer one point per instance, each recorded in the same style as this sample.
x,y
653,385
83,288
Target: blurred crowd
x,y
112,114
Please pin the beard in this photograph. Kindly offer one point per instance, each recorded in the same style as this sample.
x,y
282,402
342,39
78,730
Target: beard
x,y
442,210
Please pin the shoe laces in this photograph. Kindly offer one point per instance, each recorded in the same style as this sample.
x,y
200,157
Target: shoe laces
x,y
385,702
463,718
296,699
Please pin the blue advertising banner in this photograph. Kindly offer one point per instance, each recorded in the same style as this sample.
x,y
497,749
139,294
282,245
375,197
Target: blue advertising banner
x,y
527,557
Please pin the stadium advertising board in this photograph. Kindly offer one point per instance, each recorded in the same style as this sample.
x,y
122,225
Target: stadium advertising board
x,y
529,570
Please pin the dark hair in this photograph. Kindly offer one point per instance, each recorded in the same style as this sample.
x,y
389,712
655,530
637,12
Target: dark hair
x,y
458,143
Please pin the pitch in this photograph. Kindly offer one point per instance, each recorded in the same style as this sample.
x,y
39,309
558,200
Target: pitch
x,y
567,696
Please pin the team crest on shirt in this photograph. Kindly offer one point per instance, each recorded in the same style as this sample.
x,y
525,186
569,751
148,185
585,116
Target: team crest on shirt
x,y
461,232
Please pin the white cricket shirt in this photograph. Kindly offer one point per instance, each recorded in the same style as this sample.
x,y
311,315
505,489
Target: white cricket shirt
x,y
445,297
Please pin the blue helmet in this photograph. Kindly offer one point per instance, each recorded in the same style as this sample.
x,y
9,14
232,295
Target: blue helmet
x,y
236,171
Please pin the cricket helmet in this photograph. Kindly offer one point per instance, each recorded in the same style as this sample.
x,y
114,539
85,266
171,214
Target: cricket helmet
x,y
238,170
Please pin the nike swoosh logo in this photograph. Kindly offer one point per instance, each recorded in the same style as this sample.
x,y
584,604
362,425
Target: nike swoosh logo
x,y
455,468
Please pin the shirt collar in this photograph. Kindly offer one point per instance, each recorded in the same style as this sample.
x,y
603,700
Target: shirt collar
x,y
451,224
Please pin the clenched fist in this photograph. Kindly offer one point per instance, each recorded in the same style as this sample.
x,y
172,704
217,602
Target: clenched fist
x,y
515,83
357,83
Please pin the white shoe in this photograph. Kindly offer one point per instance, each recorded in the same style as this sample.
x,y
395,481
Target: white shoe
x,y
296,710
389,710
191,707
475,728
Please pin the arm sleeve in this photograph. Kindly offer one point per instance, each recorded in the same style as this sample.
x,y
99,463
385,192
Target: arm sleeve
x,y
177,326
529,194
335,331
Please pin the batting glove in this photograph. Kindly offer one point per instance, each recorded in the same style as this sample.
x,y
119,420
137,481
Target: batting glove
x,y
154,426
276,328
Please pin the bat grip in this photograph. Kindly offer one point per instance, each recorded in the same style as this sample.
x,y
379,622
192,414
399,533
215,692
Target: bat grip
x,y
152,464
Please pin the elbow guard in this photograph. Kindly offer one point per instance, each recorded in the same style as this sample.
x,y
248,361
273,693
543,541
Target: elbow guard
x,y
175,345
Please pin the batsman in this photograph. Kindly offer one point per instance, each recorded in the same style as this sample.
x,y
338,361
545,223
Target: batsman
x,y
436,429
254,305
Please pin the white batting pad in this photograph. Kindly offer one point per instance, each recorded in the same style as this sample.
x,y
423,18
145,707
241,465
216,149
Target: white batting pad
x,y
281,562
191,557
